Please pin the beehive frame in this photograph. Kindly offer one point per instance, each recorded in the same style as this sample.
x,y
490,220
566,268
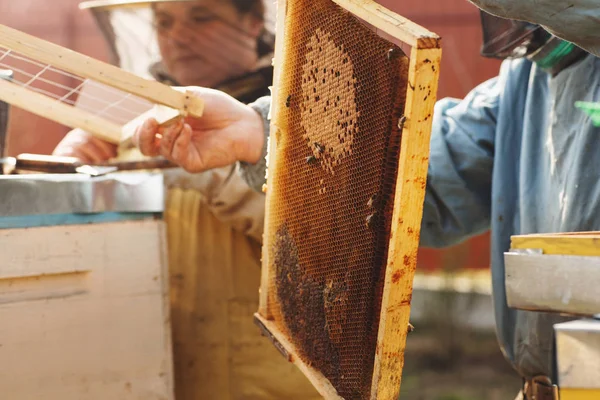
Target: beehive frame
x,y
425,56
39,50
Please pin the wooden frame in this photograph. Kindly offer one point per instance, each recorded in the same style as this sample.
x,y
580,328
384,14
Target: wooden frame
x,y
86,67
424,66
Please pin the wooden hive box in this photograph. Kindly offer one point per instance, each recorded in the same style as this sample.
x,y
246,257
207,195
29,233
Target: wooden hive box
x,y
560,273
560,260
83,295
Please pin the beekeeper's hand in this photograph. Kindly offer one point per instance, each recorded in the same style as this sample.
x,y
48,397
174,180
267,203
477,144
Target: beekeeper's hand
x,y
228,131
87,148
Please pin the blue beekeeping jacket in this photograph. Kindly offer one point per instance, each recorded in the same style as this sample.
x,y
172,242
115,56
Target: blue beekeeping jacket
x,y
516,157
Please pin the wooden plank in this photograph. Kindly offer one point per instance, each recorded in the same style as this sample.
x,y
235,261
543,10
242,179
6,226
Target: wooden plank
x,y
322,384
584,233
579,394
119,3
579,244
100,335
406,223
62,113
163,115
563,289
578,354
391,23
263,306
87,67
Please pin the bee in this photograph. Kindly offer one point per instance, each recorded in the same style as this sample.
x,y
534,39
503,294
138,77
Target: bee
x,y
288,100
392,54
371,220
372,201
320,148
401,122
311,160
410,327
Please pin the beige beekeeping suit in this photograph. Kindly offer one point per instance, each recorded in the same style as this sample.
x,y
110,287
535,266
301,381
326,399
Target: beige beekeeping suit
x,y
214,223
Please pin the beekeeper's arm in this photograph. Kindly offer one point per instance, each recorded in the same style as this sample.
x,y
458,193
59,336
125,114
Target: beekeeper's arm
x,y
208,148
84,146
575,21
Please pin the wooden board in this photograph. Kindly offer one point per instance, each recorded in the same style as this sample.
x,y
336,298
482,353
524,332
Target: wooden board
x,y
576,243
85,312
119,3
406,223
578,355
579,394
146,93
289,353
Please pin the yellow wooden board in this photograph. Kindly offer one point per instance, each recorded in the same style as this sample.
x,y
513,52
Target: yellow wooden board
x,y
579,394
575,244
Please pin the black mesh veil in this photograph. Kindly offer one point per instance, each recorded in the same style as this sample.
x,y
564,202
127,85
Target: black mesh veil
x,y
506,39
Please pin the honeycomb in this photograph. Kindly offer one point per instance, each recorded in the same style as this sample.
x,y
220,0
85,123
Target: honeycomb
x,y
338,130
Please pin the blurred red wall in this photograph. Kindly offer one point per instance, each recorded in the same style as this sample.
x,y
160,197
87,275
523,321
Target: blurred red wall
x,y
456,21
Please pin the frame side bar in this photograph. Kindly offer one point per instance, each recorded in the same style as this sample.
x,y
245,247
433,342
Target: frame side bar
x,y
406,223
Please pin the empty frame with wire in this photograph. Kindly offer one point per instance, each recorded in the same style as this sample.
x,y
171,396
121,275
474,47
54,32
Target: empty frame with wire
x,y
81,92
348,156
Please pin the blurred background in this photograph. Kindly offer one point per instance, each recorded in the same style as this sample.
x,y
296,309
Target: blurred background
x,y
453,354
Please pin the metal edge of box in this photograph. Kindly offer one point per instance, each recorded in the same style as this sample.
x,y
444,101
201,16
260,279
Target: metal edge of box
x,y
552,283
60,199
